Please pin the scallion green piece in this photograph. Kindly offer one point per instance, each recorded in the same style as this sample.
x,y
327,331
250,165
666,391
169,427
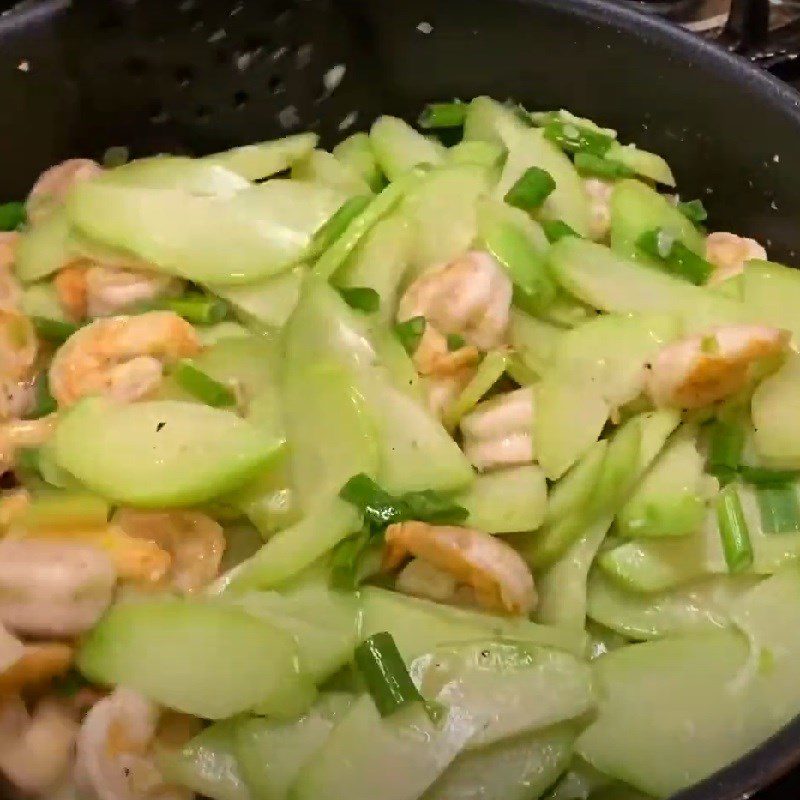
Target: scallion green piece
x,y
384,671
531,189
455,341
599,167
196,308
410,332
346,561
337,224
45,402
675,255
733,530
779,509
28,459
760,476
203,386
12,216
725,443
555,229
694,211
53,330
361,298
575,139
443,115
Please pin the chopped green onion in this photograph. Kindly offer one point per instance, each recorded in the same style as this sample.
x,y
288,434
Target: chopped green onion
x,y
694,211
531,189
198,309
346,561
69,684
361,298
733,530
12,215
410,332
576,139
28,459
455,341
203,386
381,509
675,255
116,157
725,444
384,671
780,512
534,288
591,164
338,223
555,229
53,330
45,402
709,344
443,115
760,476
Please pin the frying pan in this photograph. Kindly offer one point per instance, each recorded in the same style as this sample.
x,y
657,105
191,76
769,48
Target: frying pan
x,y
199,75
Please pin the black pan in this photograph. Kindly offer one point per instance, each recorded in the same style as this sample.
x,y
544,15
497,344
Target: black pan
x,y
198,75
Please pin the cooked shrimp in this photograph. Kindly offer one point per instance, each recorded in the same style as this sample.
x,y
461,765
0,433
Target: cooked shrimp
x,y
53,185
729,253
420,578
120,357
442,390
703,369
18,344
495,571
36,667
52,587
22,433
113,760
36,749
499,432
92,290
194,541
8,249
10,290
599,193
470,296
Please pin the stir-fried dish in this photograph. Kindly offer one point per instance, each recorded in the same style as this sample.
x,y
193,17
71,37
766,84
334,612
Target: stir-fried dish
x,y
405,470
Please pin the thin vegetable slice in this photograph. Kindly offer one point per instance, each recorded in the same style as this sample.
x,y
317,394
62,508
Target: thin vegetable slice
x,y
779,508
733,530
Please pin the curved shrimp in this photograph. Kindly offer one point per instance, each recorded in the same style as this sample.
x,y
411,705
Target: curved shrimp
x,y
120,357
53,185
599,194
704,369
53,588
499,577
36,748
499,432
96,290
17,434
36,667
194,541
729,253
113,761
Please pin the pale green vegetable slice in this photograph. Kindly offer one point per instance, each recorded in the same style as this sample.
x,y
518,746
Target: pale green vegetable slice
x,y
182,234
516,769
161,649
258,161
533,340
394,758
776,416
697,606
319,166
670,500
506,501
192,175
570,494
508,688
207,764
398,147
43,248
293,549
269,302
637,209
160,452
41,300
648,165
490,370
771,293
606,281
699,719
420,626
356,151
271,754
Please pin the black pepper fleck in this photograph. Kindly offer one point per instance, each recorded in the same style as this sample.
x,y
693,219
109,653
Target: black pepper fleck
x,y
160,426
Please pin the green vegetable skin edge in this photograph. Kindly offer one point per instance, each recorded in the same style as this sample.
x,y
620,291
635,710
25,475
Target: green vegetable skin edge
x,y
302,427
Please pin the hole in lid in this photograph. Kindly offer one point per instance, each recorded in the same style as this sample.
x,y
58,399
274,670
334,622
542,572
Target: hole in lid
x,y
136,66
156,113
275,84
183,75
240,99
